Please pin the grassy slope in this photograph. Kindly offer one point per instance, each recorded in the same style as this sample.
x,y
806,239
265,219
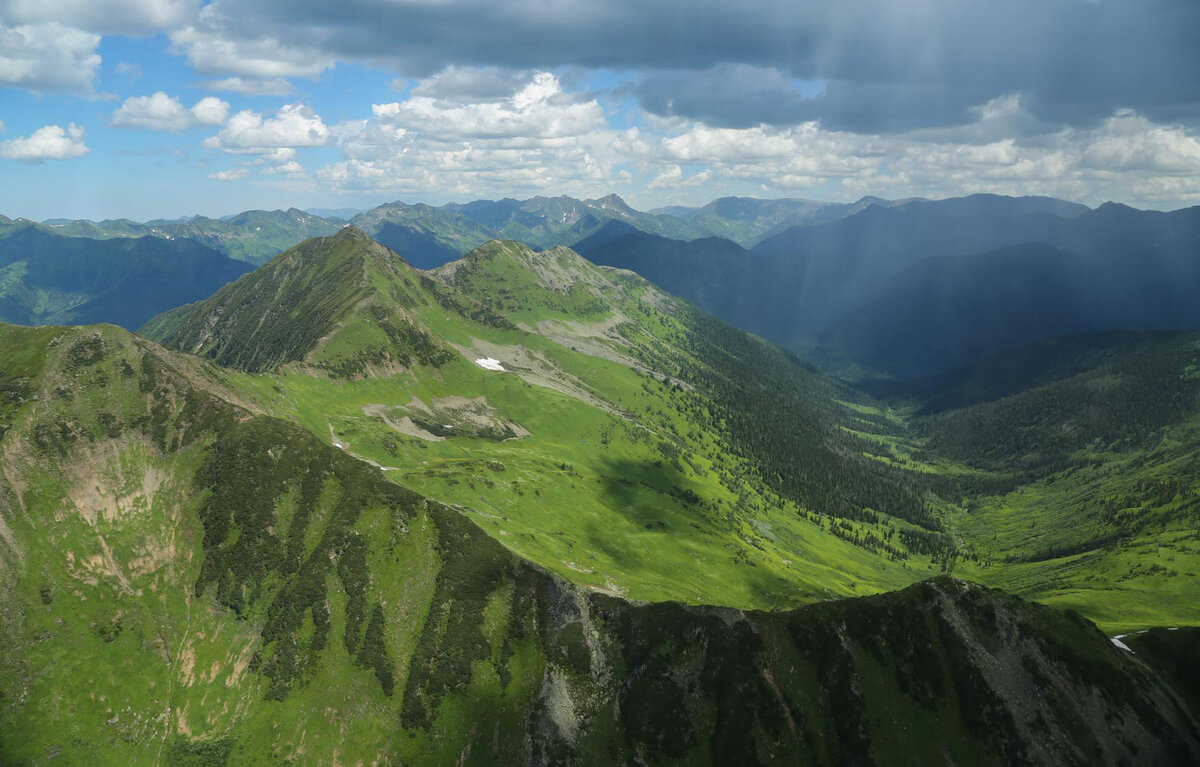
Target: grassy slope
x,y
626,480
1103,475
186,582
658,486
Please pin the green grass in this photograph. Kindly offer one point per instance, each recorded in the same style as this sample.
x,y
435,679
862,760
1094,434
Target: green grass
x,y
196,583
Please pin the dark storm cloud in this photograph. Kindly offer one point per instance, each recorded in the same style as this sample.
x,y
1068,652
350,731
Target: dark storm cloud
x,y
742,96
889,64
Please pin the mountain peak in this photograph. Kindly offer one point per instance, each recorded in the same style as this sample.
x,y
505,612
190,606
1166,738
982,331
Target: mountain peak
x,y
350,233
284,310
612,202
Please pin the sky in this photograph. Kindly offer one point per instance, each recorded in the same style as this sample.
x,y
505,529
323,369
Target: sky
x,y
160,108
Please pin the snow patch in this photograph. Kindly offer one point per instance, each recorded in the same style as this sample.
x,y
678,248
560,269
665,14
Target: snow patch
x,y
487,363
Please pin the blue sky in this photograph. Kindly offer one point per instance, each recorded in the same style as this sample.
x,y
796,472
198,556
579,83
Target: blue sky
x,y
160,108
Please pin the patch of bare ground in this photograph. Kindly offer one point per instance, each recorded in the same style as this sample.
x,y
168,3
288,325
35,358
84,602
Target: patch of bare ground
x,y
536,369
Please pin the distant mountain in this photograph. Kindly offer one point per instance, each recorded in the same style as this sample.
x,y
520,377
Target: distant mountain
x,y
342,214
718,275
254,236
947,309
862,294
746,221
678,211
612,230
544,222
424,235
49,279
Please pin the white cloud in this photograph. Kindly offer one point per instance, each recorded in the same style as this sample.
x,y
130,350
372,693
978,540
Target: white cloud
x,y
672,178
48,57
1127,157
1128,141
538,110
250,86
533,138
286,169
294,125
51,142
233,174
162,112
279,156
210,110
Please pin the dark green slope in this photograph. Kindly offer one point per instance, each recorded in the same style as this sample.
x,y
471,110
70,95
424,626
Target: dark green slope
x,y
1015,370
222,588
275,315
45,278
291,306
1123,402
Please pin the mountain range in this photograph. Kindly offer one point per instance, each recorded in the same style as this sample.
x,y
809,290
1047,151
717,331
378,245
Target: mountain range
x,y
873,289
525,506
493,497
907,290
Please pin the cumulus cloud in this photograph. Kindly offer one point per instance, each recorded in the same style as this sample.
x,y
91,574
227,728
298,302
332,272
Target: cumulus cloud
x,y
672,178
233,174
523,134
51,142
250,86
538,110
294,125
1129,141
162,112
48,57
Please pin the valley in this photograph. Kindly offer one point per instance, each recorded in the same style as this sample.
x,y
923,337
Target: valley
x,y
347,509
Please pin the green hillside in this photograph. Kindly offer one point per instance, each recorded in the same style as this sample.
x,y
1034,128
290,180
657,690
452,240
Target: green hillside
x,y
527,509
1096,472
189,581
699,463
666,433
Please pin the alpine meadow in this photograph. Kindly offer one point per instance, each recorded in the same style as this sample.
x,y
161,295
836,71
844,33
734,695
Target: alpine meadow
x,y
649,384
